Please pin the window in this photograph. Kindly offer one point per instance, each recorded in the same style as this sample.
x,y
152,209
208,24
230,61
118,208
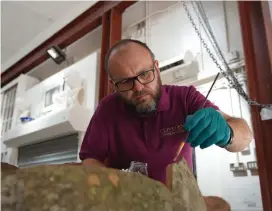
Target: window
x,y
7,109
49,96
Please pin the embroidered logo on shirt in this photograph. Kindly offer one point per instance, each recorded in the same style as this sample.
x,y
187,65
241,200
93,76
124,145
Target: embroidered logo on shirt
x,y
172,130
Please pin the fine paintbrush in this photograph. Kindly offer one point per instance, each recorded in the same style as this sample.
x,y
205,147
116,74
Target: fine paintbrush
x,y
183,142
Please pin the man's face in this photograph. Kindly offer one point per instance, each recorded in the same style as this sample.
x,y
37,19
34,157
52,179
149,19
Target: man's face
x,y
134,60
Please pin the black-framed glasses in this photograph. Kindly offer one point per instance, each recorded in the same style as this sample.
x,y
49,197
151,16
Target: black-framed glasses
x,y
143,78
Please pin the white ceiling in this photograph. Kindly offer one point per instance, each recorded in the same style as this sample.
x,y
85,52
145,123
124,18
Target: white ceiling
x,y
26,24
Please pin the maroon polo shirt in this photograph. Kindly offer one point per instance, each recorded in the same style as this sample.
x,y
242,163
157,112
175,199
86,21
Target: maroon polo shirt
x,y
120,134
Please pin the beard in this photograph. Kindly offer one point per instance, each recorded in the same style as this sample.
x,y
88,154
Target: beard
x,y
148,106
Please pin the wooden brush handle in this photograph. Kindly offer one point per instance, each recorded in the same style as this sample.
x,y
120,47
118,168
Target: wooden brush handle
x,y
179,150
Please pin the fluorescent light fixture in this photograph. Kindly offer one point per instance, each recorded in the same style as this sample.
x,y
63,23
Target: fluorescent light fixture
x,y
56,54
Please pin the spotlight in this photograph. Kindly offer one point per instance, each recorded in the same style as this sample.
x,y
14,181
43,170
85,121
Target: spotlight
x,y
56,54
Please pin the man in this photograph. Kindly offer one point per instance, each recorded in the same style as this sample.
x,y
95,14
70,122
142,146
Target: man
x,y
144,120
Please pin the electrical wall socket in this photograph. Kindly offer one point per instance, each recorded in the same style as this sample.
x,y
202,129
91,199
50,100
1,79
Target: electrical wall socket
x,y
238,167
252,165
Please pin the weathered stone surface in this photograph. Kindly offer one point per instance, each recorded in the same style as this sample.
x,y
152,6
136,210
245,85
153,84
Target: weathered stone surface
x,y
8,187
185,190
71,187
74,188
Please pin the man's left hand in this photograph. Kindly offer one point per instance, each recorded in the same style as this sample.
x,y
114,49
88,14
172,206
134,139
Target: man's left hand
x,y
207,127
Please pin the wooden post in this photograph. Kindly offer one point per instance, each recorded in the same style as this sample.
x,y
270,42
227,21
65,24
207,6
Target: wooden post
x,y
111,33
115,34
256,43
103,78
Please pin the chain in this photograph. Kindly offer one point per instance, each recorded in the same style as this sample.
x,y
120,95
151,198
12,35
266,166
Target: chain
x,y
207,28
229,75
213,40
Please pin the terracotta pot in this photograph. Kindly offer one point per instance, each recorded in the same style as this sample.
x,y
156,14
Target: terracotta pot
x,y
215,203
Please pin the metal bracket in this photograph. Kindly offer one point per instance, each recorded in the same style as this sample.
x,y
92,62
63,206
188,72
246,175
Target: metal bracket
x,y
266,113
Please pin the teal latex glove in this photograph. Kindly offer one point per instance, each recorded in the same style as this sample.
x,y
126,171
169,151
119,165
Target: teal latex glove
x,y
207,127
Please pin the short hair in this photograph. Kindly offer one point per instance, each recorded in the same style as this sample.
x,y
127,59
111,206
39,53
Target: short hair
x,y
122,43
